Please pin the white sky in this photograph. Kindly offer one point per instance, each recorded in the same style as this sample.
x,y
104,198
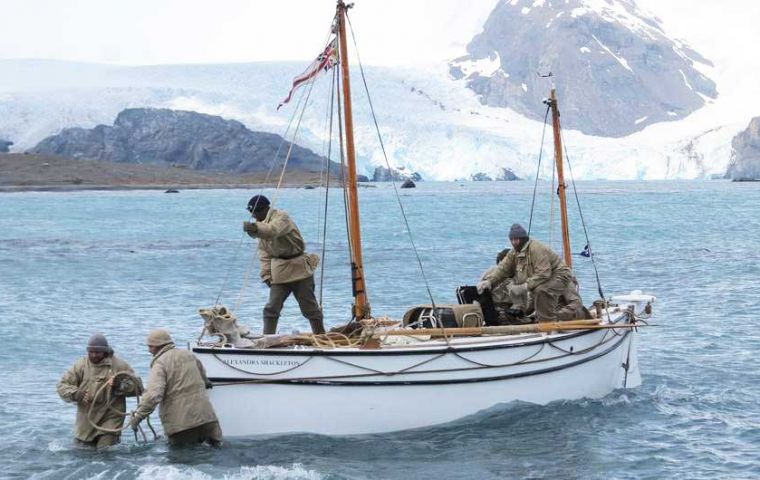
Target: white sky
x,y
390,32
136,32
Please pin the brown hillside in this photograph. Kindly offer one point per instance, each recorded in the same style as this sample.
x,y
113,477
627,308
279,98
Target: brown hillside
x,y
47,172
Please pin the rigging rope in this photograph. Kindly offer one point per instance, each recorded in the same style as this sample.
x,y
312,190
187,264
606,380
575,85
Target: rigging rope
x,y
575,192
254,255
583,220
326,144
538,170
107,388
387,163
607,337
327,190
246,275
343,175
243,234
292,143
551,207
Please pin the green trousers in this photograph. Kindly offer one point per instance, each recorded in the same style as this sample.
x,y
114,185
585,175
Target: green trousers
x,y
209,433
101,441
303,290
546,298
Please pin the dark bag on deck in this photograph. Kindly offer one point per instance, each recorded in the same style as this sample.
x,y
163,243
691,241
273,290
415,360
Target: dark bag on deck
x,y
469,294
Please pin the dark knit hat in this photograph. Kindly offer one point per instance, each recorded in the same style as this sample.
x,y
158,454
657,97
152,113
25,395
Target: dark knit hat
x,y
257,203
98,343
517,231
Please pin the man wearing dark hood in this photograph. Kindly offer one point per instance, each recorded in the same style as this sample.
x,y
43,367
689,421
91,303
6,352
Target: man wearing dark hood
x,y
285,266
540,272
81,383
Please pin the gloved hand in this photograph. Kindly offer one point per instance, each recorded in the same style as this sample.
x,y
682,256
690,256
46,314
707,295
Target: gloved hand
x,y
83,396
78,396
483,285
268,283
134,421
518,289
249,228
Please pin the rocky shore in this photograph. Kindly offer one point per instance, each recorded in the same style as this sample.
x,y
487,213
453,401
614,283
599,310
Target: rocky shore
x,y
32,172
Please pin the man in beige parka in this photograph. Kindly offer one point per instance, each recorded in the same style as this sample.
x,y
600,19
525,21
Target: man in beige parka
x,y
80,385
285,266
500,292
540,272
509,309
177,381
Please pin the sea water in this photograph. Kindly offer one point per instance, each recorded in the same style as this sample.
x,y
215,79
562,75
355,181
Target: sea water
x,y
123,262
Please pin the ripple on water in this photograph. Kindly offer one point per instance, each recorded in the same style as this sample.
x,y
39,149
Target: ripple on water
x,y
123,263
259,472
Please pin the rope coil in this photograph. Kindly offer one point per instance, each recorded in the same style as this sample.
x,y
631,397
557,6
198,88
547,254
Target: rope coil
x,y
107,387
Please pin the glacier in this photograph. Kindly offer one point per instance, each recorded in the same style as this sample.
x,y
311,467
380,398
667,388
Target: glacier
x,y
430,122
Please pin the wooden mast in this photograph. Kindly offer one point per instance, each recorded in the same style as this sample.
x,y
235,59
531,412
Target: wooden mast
x,y
361,308
561,180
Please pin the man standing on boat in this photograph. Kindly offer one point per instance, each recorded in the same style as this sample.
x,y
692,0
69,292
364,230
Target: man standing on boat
x,y
539,271
285,266
178,382
81,384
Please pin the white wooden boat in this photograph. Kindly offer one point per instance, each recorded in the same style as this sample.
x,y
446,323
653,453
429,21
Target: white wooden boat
x,y
425,380
349,391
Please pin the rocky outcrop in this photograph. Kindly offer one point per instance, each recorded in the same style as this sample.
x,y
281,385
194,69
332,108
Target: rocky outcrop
x,y
5,145
507,175
408,183
384,174
180,139
745,153
480,177
615,69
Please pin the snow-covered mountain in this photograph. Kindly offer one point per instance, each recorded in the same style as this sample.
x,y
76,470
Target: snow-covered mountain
x,y
430,123
612,63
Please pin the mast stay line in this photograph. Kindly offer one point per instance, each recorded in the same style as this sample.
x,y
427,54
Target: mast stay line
x,y
387,164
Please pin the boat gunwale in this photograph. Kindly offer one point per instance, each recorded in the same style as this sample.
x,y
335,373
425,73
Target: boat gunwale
x,y
373,352
326,382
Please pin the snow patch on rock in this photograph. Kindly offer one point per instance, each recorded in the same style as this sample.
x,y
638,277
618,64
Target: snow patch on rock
x,y
485,67
621,60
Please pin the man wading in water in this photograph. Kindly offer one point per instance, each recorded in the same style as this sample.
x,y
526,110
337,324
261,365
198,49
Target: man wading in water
x,y
178,382
81,383
285,267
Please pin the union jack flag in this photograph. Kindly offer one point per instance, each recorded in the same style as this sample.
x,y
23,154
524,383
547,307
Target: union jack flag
x,y
323,63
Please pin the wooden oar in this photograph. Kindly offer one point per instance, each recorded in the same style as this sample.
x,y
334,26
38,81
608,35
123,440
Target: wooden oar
x,y
506,329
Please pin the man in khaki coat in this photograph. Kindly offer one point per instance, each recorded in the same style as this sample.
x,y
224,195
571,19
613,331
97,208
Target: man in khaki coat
x,y
541,273
509,309
500,292
178,382
285,266
81,383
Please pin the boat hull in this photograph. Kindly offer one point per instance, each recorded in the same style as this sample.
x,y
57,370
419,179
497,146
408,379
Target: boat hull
x,y
338,392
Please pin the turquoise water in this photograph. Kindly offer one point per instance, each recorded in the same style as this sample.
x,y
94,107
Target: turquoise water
x,y
124,262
